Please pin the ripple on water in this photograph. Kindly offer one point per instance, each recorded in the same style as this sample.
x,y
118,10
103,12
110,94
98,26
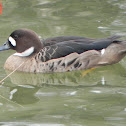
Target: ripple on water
x,y
28,124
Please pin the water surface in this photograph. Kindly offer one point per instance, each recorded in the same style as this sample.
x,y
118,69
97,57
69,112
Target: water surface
x,y
64,99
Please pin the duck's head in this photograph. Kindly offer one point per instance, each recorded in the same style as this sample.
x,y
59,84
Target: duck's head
x,y
24,41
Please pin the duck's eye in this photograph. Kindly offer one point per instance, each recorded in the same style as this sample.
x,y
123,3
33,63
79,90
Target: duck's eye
x,y
12,41
16,37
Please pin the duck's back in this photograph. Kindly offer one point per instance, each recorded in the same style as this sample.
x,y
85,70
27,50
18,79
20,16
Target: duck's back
x,y
62,46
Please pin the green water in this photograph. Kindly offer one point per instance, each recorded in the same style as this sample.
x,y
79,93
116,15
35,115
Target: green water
x,y
64,99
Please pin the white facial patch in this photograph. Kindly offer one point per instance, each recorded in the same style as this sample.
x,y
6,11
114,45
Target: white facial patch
x,y
12,41
27,52
102,51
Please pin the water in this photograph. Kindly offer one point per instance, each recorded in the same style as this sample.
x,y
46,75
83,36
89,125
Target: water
x,y
64,99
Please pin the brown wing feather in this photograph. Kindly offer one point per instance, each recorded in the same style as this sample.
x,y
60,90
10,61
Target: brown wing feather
x,y
62,46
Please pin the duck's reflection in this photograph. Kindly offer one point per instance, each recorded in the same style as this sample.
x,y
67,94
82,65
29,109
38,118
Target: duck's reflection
x,y
32,88
75,78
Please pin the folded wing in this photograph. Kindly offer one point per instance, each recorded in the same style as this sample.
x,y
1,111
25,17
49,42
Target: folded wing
x,y
62,46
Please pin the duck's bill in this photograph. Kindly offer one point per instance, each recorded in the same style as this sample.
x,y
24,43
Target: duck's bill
x,y
5,46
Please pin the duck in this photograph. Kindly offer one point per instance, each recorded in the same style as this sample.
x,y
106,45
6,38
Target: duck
x,y
60,54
